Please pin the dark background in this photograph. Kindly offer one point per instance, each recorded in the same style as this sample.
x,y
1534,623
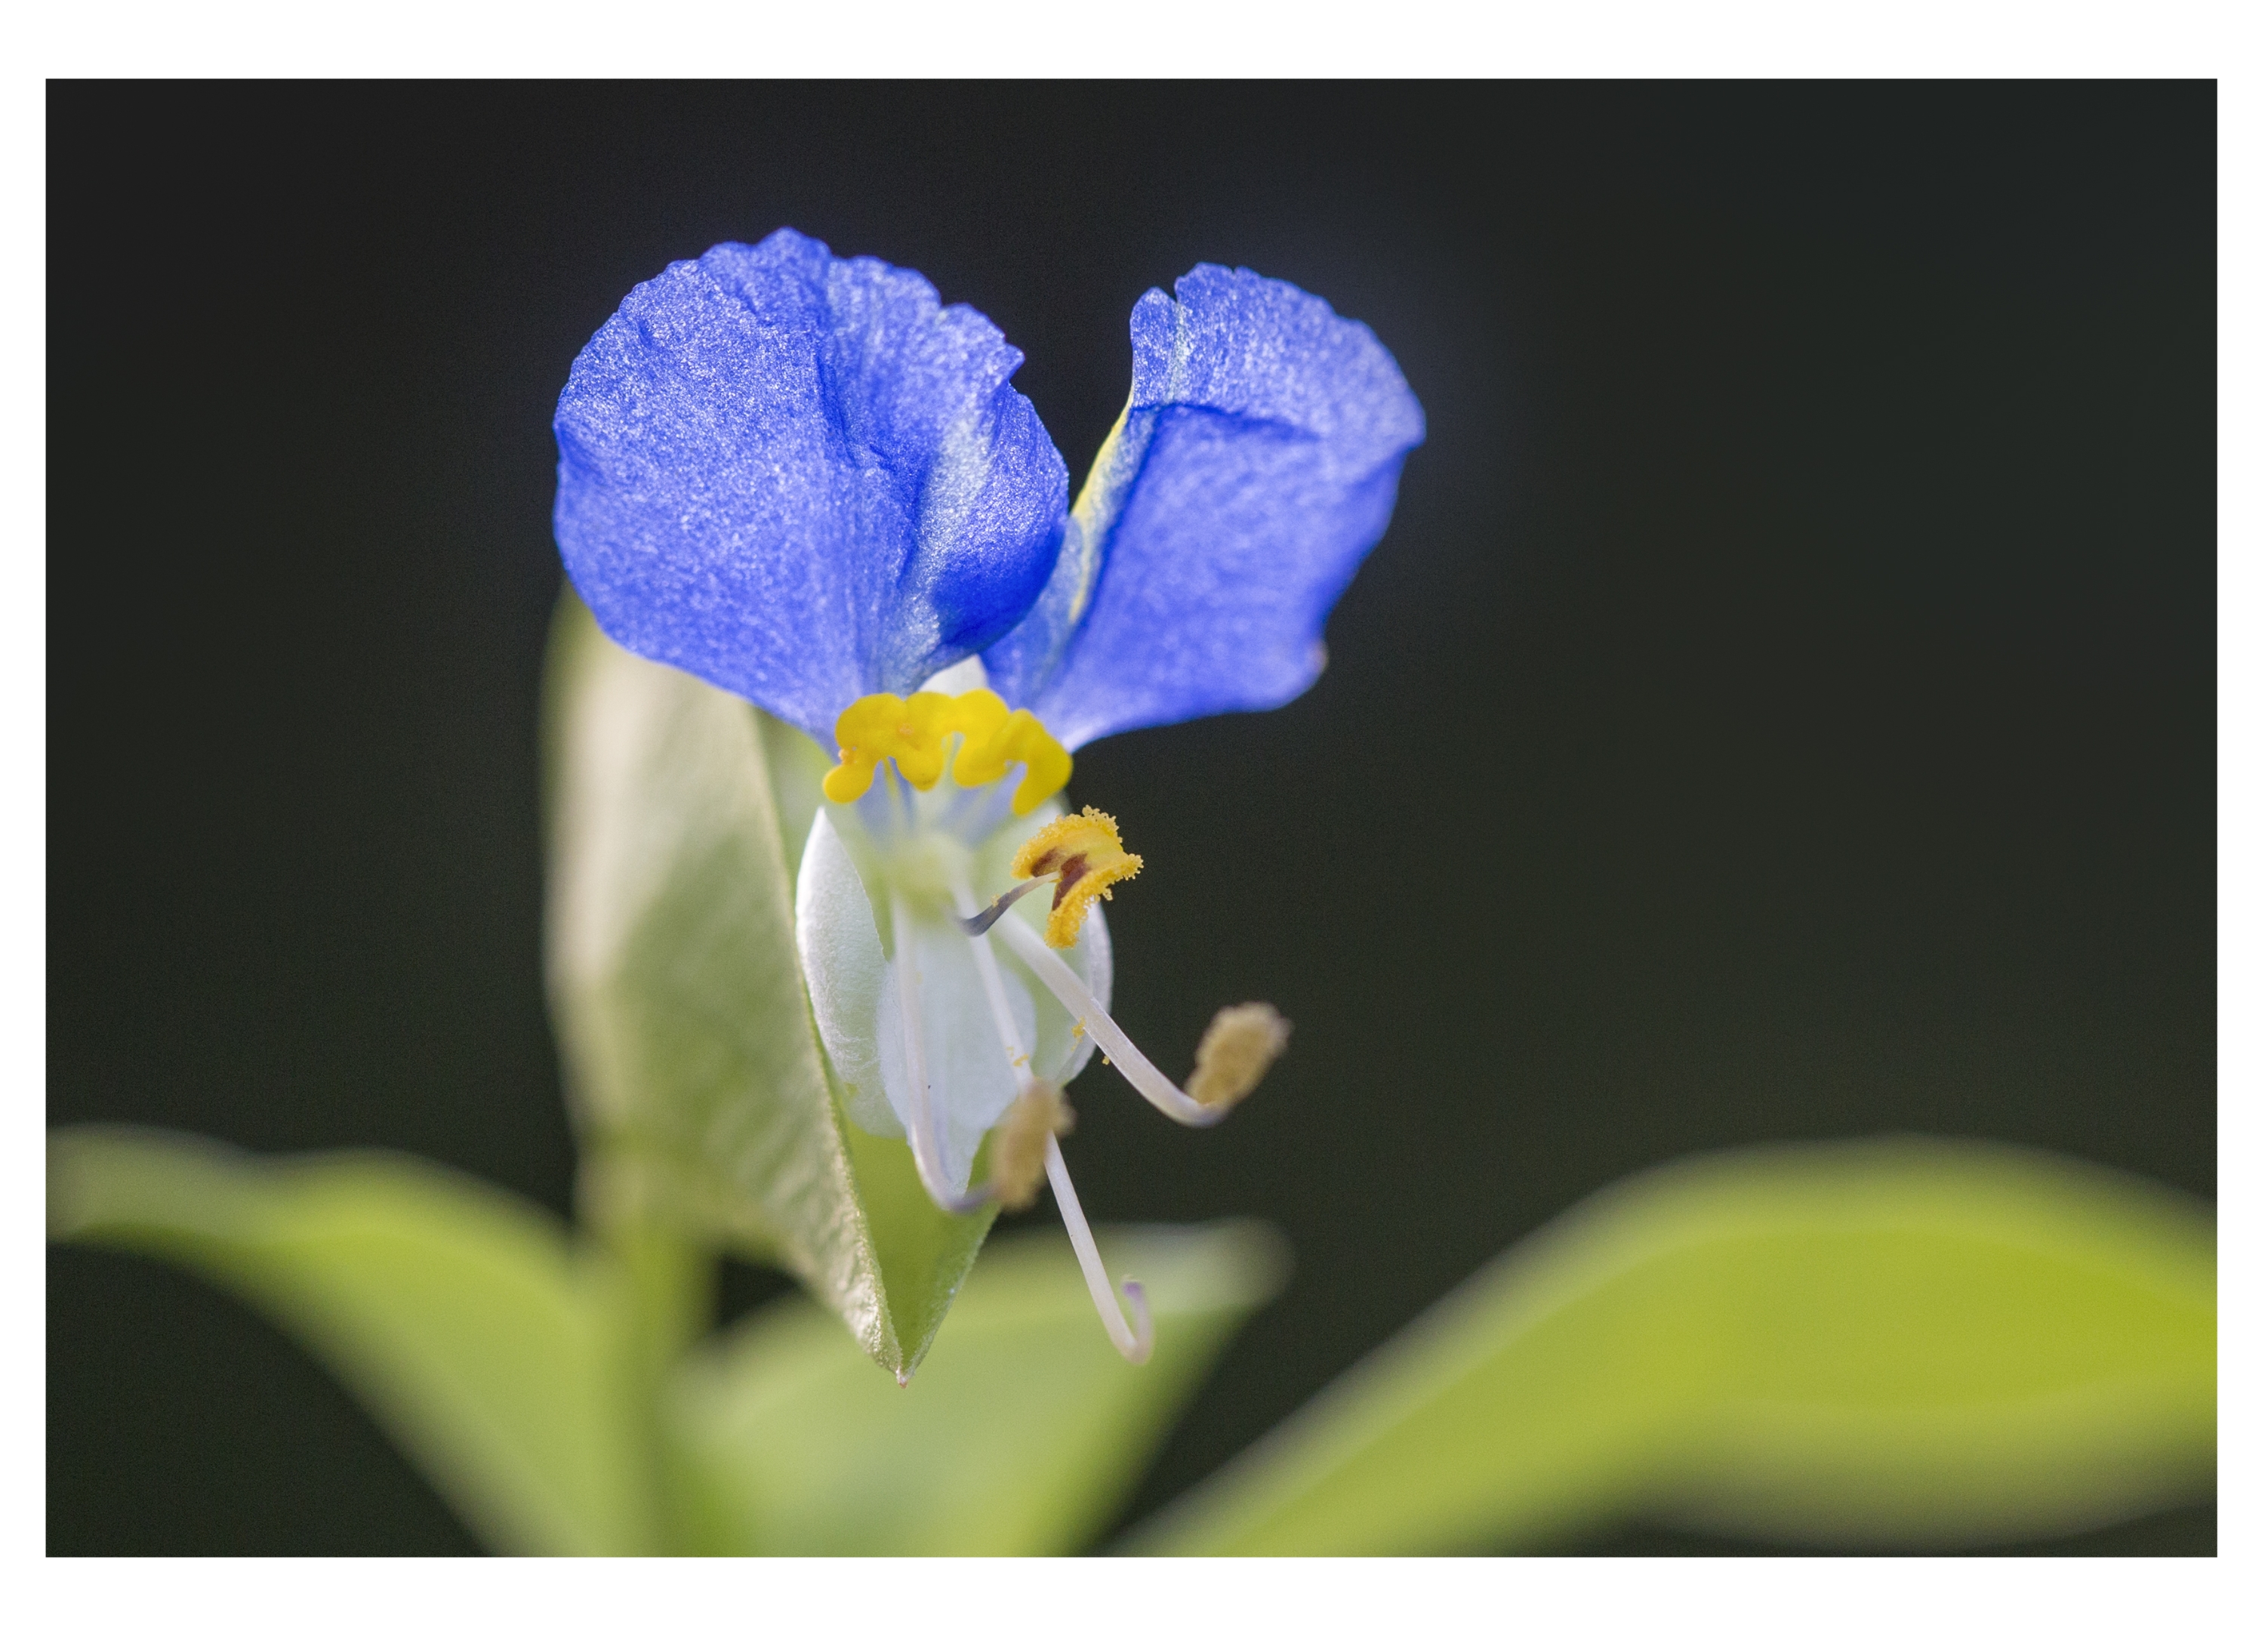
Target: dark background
x,y
1782,707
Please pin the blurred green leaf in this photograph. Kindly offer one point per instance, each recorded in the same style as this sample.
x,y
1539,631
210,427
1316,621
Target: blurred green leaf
x,y
1895,1343
458,1314
700,1088
1022,1434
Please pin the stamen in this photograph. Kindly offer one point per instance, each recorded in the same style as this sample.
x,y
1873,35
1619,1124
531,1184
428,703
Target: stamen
x,y
1041,1115
1084,852
1116,1046
1020,736
929,1158
912,731
1134,1343
1235,1053
981,921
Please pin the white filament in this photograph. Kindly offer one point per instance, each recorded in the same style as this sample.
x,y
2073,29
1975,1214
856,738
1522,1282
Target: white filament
x,y
1136,1342
974,923
1072,991
995,993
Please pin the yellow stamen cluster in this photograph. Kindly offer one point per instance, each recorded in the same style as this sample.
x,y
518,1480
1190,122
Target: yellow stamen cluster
x,y
1083,852
913,731
1019,1144
1235,1053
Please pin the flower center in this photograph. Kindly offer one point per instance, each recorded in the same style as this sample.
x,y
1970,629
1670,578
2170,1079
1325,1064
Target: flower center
x,y
924,856
912,731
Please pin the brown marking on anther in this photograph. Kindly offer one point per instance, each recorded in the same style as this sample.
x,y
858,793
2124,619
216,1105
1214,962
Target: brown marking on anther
x,y
1074,868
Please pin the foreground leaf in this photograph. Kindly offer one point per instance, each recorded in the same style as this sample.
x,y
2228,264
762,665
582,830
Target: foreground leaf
x,y
701,1091
1898,1343
1024,1431
457,1313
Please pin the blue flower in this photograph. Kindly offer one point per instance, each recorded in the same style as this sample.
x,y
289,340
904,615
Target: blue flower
x,y
805,481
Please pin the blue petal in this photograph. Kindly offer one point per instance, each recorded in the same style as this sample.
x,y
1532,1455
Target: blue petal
x,y
799,478
1254,468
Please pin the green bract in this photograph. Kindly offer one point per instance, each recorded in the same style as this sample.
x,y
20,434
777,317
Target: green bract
x,y
700,1087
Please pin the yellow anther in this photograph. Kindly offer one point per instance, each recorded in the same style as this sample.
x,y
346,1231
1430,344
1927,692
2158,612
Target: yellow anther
x,y
912,731
869,730
848,782
1019,1143
1083,852
1021,737
1235,1053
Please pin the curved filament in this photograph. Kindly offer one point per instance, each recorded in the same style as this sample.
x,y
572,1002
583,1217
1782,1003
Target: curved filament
x,y
1117,1047
1135,1341
976,922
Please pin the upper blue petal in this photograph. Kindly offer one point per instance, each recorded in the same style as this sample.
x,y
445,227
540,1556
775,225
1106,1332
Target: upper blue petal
x,y
801,479
1254,468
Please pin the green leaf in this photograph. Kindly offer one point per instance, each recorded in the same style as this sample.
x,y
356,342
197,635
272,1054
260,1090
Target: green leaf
x,y
1896,1343
700,1089
456,1312
1023,1432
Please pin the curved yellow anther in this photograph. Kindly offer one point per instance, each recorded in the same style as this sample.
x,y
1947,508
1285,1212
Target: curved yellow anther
x,y
1083,852
1019,736
912,731
849,780
868,731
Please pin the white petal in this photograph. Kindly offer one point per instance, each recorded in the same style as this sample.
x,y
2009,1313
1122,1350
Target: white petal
x,y
843,965
971,1083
